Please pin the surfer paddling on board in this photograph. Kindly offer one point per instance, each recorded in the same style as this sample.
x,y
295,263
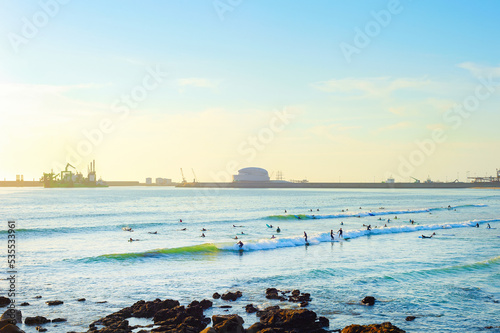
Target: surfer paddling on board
x,y
341,233
429,236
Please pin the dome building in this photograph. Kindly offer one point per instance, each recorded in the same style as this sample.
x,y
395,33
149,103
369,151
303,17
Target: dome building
x,y
251,175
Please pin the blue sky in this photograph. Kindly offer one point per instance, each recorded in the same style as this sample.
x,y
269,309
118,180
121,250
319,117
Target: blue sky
x,y
354,119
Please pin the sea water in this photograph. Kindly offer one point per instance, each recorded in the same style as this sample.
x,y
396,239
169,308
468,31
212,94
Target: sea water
x,y
70,244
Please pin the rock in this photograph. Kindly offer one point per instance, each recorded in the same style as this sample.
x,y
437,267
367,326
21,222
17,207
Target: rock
x,y
206,304
52,303
38,296
4,301
303,304
410,318
81,300
373,328
295,293
216,296
272,293
38,320
249,308
225,306
24,304
6,327
368,300
41,329
59,320
230,296
256,328
209,330
14,316
228,324
101,302
286,320
323,322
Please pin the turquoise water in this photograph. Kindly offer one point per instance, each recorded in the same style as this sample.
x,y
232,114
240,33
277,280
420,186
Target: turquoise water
x,y
71,245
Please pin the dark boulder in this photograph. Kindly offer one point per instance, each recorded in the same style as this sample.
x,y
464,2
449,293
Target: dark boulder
x,y
4,301
323,321
41,329
373,328
59,320
288,320
38,320
81,300
228,324
13,315
410,318
216,296
272,293
37,297
230,296
249,308
368,300
52,303
6,327
24,304
206,304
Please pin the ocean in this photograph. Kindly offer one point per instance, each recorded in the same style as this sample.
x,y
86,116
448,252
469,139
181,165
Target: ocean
x,y
70,244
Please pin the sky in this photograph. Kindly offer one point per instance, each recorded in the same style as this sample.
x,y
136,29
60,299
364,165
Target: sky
x,y
319,90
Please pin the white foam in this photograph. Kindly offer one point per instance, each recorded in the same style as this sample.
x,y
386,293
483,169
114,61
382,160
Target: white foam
x,y
269,244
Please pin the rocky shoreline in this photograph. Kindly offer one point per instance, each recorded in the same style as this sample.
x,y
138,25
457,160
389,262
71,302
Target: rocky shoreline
x,y
169,316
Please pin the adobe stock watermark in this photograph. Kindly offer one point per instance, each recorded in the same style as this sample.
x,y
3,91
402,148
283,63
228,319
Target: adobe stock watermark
x,y
364,36
11,271
32,25
224,6
122,107
453,118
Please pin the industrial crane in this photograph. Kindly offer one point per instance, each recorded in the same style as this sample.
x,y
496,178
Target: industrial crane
x,y
194,175
417,181
183,178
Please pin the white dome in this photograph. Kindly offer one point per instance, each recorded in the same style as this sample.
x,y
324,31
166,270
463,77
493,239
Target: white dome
x,y
251,174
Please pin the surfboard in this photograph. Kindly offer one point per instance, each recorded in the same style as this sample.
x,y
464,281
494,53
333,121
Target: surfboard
x,y
269,226
371,214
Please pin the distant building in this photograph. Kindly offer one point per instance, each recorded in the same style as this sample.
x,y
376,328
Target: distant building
x,y
163,181
251,175
149,181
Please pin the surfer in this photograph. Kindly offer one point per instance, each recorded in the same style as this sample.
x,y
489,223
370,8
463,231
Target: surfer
x,y
183,229
235,237
477,225
240,244
331,234
153,233
380,219
341,223
180,221
270,225
298,217
429,236
305,236
132,240
341,233
278,229
272,237
202,235
203,229
285,210
369,227
242,233
488,227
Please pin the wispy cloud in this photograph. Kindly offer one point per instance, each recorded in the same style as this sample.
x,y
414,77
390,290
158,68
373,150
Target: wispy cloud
x,y
197,83
480,70
400,125
371,87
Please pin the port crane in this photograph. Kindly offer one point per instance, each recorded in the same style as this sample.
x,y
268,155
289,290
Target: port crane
x,y
194,175
417,181
183,178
